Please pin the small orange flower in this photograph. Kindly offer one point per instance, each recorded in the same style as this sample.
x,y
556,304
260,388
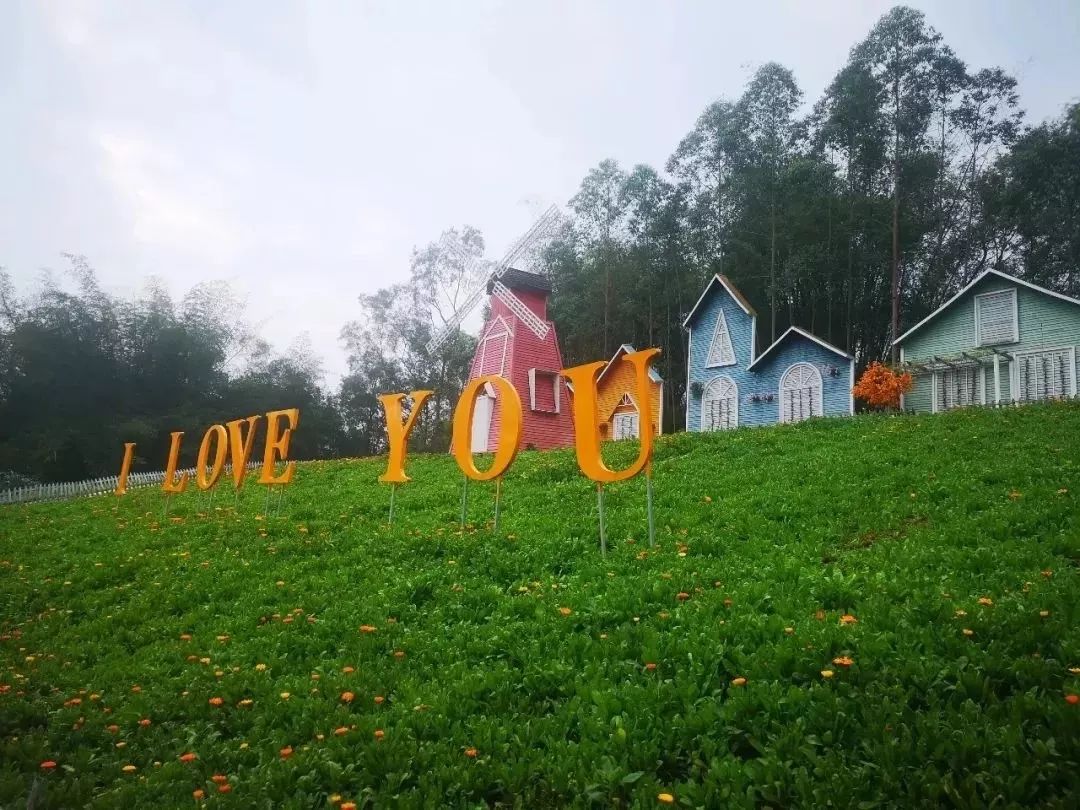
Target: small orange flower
x,y
843,661
219,779
665,798
198,794
129,769
189,756
682,596
341,731
471,753
367,628
738,681
347,697
286,752
216,701
565,611
847,618
650,667
379,700
48,765
986,601
347,806
246,703
224,788
1072,700
819,615
144,722
379,734
399,654
136,689
185,636
112,728
348,670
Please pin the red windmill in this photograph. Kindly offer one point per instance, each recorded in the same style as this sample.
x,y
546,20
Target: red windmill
x,y
518,342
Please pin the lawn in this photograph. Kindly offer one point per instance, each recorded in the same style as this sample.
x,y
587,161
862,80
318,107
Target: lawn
x,y
852,613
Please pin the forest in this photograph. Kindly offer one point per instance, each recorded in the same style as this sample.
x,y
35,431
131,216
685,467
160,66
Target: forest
x,y
851,215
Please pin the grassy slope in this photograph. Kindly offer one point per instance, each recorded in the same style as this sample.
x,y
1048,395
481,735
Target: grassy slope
x,y
900,521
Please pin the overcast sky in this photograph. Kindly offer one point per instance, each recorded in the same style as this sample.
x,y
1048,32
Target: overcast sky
x,y
300,151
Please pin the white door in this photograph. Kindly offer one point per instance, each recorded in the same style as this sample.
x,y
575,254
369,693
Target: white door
x,y
481,423
800,393
626,425
720,404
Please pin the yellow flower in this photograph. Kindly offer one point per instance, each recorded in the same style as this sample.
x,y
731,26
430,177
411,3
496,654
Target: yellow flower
x,y
129,769
986,601
260,667
827,673
665,798
738,681
565,611
285,695
968,632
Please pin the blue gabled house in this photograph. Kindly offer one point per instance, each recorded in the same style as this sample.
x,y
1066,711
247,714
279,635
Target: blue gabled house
x,y
731,385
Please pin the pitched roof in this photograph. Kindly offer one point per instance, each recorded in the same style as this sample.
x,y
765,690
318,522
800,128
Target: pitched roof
x,y
732,290
521,280
806,335
626,348
976,280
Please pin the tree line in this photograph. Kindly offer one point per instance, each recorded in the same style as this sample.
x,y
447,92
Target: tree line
x,y
852,217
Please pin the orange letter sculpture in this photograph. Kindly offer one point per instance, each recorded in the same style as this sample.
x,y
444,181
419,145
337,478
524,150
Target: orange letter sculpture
x,y
125,467
240,446
202,480
171,484
587,417
397,433
277,446
509,427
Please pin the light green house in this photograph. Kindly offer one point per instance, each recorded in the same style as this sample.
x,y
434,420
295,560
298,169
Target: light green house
x,y
998,340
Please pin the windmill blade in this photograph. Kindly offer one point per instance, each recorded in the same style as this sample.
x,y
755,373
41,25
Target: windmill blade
x,y
549,222
523,313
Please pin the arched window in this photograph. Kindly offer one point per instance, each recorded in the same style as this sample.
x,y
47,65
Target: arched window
x,y
800,393
720,404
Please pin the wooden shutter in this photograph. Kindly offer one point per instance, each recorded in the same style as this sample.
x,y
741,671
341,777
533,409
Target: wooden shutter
x,y
996,317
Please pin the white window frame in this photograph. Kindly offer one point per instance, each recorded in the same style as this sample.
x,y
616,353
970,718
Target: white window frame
x,y
979,395
721,321
635,420
1014,370
491,335
819,401
1015,317
532,389
735,402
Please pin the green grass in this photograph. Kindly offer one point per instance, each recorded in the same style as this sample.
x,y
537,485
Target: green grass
x,y
902,522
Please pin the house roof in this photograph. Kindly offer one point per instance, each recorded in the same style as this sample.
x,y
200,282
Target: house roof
x,y
625,348
732,290
977,279
806,335
516,279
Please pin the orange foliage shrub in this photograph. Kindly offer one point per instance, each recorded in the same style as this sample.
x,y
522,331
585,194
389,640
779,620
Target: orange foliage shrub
x,y
881,387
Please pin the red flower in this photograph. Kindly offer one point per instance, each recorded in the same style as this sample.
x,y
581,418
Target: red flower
x,y
48,765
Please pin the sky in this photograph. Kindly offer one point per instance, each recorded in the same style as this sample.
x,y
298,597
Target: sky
x,y
301,151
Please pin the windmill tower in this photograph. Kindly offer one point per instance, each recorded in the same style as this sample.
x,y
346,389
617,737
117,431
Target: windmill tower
x,y
518,342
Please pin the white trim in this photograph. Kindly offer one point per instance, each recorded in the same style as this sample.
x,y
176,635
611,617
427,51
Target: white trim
x,y
1014,369
715,279
820,389
997,379
979,278
628,348
902,403
806,335
753,341
660,416
1015,318
851,396
557,391
735,399
933,391
721,320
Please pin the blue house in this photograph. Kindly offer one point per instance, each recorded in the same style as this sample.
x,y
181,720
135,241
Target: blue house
x,y
730,384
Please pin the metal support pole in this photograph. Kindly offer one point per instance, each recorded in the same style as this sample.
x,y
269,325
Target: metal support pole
x,y
266,503
498,500
464,502
390,518
649,505
600,509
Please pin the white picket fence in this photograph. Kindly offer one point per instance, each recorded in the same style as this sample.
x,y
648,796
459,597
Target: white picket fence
x,y
94,486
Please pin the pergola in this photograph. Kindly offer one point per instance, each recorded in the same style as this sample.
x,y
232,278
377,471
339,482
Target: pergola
x,y
969,359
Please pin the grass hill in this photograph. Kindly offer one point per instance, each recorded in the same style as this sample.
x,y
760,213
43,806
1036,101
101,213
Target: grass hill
x,y
416,666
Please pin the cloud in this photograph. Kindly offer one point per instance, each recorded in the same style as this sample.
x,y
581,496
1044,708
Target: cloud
x,y
169,204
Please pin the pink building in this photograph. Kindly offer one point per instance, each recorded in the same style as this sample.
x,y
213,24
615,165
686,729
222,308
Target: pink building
x,y
509,348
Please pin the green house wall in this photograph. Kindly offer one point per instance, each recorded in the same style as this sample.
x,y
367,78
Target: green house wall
x,y
1044,322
